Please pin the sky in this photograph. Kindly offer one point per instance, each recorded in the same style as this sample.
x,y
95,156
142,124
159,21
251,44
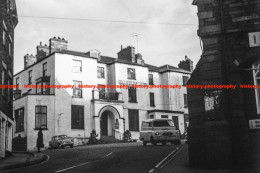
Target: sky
x,y
159,44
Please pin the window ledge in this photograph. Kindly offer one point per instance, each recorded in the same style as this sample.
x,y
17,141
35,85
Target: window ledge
x,y
19,131
152,106
42,129
77,97
132,102
76,129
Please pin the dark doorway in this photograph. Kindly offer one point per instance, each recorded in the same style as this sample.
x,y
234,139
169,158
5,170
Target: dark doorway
x,y
103,124
175,120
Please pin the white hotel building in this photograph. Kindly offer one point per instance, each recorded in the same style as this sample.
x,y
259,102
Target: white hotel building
x,y
76,112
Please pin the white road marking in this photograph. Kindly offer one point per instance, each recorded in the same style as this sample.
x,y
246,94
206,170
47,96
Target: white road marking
x,y
107,155
160,164
81,164
72,167
151,171
171,158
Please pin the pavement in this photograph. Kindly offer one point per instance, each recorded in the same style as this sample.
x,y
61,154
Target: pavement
x,y
21,159
179,163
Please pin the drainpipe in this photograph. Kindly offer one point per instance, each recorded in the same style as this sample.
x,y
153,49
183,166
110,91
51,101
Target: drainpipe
x,y
225,74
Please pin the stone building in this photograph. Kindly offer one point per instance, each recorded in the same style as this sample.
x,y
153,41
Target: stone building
x,y
9,20
224,124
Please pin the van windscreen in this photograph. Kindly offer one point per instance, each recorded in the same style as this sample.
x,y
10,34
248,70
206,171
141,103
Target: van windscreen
x,y
162,124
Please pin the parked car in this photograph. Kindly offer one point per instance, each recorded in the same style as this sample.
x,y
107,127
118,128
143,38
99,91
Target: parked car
x,y
61,141
159,131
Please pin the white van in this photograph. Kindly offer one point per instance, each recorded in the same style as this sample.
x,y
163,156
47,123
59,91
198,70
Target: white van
x,y
159,131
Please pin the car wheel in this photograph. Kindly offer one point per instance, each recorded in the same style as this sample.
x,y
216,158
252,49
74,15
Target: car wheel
x,y
163,143
144,143
71,146
153,141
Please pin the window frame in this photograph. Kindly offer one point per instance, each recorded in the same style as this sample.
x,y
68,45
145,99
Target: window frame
x,y
131,76
82,125
152,101
77,88
3,81
150,82
185,80
165,116
102,76
256,77
30,77
185,100
19,125
43,81
44,69
74,68
9,49
132,98
46,119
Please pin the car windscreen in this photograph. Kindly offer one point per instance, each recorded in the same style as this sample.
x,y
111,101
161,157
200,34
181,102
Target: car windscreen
x,y
163,123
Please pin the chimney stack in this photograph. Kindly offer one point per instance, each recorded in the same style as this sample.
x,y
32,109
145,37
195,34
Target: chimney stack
x,y
42,51
29,60
139,59
57,44
187,64
127,54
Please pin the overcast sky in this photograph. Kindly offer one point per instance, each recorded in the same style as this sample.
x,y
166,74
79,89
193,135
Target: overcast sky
x,y
159,44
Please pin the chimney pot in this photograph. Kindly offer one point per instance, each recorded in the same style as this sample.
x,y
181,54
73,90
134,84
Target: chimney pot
x,y
40,43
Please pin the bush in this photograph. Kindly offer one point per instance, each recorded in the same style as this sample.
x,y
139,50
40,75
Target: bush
x,y
93,137
127,136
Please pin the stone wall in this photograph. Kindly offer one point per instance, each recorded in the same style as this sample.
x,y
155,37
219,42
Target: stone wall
x,y
222,138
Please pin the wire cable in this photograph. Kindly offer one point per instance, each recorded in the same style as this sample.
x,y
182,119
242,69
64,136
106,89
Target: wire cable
x,y
108,21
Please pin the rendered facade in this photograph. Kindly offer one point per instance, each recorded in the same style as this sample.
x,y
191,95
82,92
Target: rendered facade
x,y
76,112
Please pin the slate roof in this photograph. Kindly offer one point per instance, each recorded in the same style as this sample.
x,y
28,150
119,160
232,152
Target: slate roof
x,y
110,60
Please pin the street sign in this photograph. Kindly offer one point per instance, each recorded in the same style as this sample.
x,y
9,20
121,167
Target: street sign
x,y
254,124
254,39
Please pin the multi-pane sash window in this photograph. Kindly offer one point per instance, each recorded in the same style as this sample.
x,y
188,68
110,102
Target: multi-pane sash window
x,y
132,94
77,91
100,72
150,76
130,73
41,117
76,66
19,119
44,69
185,80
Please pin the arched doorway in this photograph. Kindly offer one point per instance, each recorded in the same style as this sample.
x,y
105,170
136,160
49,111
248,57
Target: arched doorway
x,y
107,123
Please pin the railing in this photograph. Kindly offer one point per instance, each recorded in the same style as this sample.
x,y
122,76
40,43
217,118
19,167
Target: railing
x,y
117,135
109,96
